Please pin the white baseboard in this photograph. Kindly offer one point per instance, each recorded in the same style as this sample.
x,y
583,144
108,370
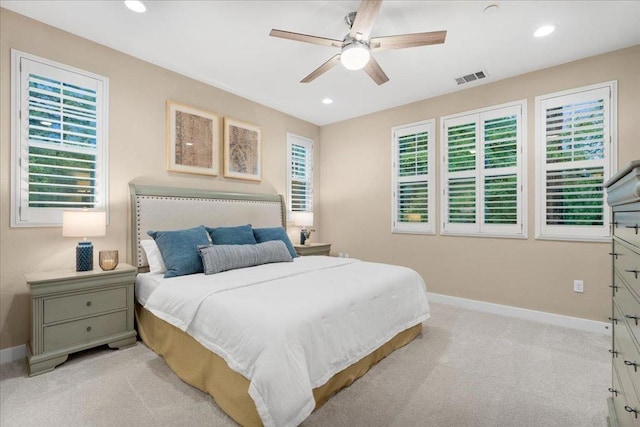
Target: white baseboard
x,y
12,354
523,313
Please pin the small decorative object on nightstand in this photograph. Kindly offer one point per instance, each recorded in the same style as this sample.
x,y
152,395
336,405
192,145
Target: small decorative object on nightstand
x,y
73,311
313,249
108,260
304,220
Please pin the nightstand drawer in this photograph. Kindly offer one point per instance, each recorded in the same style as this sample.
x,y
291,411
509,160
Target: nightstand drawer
x,y
86,304
627,264
627,227
84,330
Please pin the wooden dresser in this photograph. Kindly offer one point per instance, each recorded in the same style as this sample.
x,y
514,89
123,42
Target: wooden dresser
x,y
73,311
623,194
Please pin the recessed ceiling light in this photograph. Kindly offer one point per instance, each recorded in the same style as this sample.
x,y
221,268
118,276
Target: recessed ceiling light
x,y
327,101
136,6
544,30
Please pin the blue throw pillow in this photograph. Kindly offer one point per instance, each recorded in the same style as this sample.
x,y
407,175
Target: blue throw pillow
x,y
179,249
218,258
274,233
240,235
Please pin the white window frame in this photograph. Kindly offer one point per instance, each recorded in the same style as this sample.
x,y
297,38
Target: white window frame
x,y
479,229
21,214
398,226
308,144
575,233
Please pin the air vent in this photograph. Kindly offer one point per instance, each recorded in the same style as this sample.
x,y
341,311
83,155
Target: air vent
x,y
471,77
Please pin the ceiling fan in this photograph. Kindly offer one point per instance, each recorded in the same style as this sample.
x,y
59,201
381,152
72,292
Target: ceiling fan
x,y
357,45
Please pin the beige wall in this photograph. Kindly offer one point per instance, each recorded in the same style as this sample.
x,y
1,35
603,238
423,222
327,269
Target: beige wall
x,y
138,92
355,171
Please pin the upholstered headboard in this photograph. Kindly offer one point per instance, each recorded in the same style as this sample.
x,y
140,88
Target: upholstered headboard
x,y
167,208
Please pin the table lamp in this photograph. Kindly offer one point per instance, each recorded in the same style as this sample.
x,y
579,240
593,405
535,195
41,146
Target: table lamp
x,y
304,219
84,223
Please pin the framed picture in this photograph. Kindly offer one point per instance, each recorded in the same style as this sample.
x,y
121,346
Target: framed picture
x,y
193,140
242,150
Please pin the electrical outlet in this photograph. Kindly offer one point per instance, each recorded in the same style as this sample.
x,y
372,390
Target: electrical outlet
x,y
578,286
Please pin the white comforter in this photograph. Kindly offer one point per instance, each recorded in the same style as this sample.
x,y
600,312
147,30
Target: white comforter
x,y
289,327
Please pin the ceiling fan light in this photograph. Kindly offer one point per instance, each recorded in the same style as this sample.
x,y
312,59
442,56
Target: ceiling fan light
x,y
355,56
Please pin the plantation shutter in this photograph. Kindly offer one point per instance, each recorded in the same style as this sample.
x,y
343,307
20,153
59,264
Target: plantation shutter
x,y
61,156
412,178
300,174
482,172
574,143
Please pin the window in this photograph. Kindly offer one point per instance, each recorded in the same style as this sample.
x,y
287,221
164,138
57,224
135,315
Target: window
x,y
413,183
483,172
59,140
299,173
575,146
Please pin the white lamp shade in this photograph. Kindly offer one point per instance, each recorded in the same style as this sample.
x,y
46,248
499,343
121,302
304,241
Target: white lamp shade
x,y
304,219
354,56
84,223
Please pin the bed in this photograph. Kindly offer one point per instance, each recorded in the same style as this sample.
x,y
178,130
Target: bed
x,y
272,342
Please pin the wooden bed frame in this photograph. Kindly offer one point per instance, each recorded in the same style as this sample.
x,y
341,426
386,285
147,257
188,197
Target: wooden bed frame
x,y
163,208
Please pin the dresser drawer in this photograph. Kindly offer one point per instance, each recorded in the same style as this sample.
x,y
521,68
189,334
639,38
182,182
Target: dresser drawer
x,y
627,264
86,304
630,308
620,401
627,358
84,330
626,227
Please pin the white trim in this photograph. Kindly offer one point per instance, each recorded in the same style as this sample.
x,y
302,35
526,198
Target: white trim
x,y
479,228
429,227
12,354
52,217
542,232
309,145
524,313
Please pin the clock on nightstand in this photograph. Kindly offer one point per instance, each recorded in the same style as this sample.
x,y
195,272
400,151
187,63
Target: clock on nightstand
x,y
313,249
73,311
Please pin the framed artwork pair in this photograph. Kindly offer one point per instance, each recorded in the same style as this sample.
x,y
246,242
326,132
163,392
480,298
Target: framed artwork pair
x,y
193,144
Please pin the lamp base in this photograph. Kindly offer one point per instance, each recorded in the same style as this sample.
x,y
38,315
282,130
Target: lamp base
x,y
303,237
84,256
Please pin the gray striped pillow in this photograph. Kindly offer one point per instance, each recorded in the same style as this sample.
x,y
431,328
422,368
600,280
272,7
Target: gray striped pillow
x,y
219,258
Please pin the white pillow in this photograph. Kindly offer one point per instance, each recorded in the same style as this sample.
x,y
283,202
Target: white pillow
x,y
154,257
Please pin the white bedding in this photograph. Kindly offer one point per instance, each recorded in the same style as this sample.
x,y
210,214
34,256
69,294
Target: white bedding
x,y
289,327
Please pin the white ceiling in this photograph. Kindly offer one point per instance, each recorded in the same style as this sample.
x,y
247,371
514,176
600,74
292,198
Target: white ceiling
x,y
227,44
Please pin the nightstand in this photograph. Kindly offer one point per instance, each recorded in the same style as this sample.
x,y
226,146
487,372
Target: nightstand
x,y
73,311
313,249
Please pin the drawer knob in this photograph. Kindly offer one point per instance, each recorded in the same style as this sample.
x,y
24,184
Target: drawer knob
x,y
634,364
635,227
614,320
614,287
89,330
630,409
635,272
88,303
613,254
613,391
632,317
613,353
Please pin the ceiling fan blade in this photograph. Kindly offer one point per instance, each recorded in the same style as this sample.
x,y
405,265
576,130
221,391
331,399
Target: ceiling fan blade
x,y
365,17
305,38
407,40
335,60
374,71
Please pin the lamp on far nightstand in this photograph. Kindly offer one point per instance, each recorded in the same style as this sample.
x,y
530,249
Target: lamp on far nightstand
x,y
304,220
84,223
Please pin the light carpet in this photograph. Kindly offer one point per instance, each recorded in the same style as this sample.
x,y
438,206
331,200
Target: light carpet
x,y
468,369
